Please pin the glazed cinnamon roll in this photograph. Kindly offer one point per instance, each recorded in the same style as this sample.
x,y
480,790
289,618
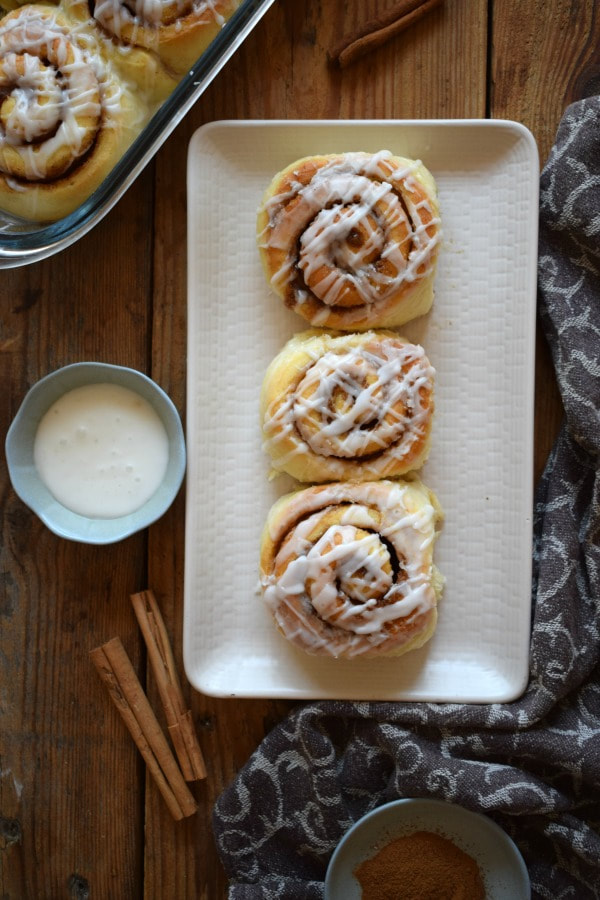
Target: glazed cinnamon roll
x,y
65,119
138,66
338,407
176,31
347,569
350,241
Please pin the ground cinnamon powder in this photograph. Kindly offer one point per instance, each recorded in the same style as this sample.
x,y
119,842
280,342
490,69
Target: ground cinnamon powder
x,y
420,866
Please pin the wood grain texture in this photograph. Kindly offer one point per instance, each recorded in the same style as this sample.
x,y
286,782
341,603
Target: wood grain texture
x,y
73,793
69,777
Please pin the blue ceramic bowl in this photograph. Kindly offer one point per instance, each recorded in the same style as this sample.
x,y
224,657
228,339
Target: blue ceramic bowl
x,y
501,865
32,491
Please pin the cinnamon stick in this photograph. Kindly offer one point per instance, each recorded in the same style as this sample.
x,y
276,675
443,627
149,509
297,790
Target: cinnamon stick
x,y
376,32
115,669
179,719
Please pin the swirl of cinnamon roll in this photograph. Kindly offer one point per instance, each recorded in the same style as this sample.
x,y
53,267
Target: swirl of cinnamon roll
x,y
350,241
339,407
347,569
64,119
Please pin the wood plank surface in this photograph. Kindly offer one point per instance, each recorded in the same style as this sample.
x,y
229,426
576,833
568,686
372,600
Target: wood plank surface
x,y
78,817
70,780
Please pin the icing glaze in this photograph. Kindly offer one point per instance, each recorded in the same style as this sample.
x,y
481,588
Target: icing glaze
x,y
101,450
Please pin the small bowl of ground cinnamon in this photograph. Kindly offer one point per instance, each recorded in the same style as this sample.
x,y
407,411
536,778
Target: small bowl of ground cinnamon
x,y
421,849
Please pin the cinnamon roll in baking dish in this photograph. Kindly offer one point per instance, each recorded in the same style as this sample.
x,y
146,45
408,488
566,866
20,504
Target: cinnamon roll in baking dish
x,y
135,64
347,569
176,31
79,80
65,119
348,406
350,241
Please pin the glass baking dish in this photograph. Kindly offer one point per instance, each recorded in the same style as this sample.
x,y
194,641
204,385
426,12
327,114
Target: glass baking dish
x,y
24,242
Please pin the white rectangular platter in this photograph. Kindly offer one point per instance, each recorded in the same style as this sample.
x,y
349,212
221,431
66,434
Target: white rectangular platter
x,y
479,336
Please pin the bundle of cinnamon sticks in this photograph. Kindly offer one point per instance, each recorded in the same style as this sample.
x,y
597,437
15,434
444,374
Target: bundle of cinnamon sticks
x,y
377,31
117,672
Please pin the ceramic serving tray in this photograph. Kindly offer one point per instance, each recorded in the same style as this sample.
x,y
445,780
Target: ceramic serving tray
x,y
479,336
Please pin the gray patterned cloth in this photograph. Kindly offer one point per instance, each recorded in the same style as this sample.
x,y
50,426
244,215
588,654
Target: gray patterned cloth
x,y
532,765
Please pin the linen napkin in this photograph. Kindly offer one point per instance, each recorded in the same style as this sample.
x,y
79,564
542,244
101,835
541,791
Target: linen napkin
x,y
532,765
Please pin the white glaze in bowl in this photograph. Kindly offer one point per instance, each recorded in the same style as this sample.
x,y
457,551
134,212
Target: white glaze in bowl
x,y
31,489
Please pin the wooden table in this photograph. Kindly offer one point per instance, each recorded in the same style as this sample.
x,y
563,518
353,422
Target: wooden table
x,y
78,817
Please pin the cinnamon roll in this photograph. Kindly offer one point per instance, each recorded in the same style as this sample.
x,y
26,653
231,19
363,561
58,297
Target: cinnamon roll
x,y
176,31
347,569
338,407
140,67
350,241
65,119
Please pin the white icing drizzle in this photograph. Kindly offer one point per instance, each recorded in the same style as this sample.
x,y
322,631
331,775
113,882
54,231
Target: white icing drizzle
x,y
355,572
361,233
56,97
15,185
369,402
